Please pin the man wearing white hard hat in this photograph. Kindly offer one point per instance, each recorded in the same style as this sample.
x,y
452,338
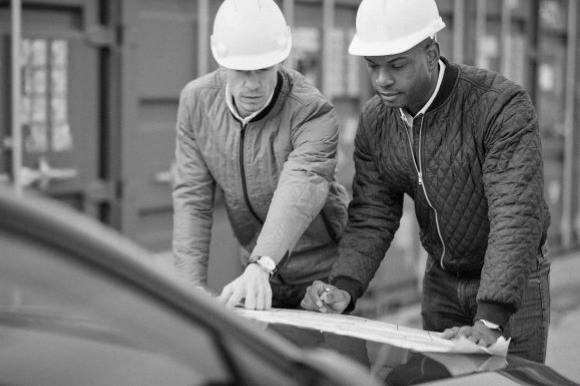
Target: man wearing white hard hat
x,y
464,144
268,140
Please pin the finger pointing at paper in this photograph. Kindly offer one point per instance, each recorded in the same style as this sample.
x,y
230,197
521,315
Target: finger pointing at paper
x,y
323,297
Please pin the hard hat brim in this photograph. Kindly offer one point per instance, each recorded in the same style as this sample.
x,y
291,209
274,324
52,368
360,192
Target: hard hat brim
x,y
361,47
252,62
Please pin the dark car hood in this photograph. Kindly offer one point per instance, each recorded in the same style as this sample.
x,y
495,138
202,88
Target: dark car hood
x,y
398,359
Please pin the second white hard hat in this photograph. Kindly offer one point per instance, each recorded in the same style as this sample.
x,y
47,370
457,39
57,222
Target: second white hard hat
x,y
250,35
388,27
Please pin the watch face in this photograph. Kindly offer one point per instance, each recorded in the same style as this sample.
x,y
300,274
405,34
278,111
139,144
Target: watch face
x,y
267,263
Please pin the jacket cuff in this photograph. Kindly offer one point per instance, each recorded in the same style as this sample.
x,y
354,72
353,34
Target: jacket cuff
x,y
353,287
493,312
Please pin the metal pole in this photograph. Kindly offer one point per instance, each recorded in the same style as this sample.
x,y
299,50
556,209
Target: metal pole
x,y
288,9
458,31
533,25
505,40
16,8
203,37
568,186
480,31
327,27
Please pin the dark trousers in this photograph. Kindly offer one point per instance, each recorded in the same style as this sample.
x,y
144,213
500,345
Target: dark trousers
x,y
449,300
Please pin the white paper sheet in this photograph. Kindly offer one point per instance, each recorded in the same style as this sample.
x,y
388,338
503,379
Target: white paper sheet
x,y
374,330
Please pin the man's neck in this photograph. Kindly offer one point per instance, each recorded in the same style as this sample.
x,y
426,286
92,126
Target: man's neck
x,y
435,83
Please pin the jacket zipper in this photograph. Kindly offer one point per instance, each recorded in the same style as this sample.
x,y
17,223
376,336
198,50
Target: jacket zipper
x,y
419,170
243,174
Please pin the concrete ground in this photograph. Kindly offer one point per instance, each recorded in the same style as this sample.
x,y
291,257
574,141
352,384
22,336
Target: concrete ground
x,y
564,334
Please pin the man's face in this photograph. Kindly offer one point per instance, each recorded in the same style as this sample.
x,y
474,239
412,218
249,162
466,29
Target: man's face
x,y
251,89
407,79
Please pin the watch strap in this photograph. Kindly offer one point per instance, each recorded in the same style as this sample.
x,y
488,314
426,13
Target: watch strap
x,y
490,325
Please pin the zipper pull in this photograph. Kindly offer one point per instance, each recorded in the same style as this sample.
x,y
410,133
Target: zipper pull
x,y
420,178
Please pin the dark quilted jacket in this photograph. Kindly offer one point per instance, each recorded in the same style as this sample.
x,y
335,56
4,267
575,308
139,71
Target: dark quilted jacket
x,y
475,172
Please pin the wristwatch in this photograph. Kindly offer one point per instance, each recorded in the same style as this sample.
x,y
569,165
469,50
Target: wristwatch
x,y
267,264
490,325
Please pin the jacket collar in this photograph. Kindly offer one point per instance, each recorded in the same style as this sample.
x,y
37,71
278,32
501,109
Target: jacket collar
x,y
449,79
273,100
262,113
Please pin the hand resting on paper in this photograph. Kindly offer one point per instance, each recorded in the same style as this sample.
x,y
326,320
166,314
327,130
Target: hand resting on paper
x,y
323,297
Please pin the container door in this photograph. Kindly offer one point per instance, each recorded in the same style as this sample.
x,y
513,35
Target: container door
x,y
161,54
60,114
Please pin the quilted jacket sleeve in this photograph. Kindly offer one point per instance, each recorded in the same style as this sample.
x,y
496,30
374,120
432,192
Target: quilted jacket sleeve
x,y
304,183
374,215
513,180
193,196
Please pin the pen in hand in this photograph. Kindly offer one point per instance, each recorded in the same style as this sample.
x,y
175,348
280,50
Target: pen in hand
x,y
324,294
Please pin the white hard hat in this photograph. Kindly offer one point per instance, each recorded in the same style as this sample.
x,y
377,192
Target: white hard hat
x,y
250,35
388,27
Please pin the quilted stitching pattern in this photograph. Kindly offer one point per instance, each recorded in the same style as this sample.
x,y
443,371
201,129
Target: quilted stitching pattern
x,y
480,154
297,149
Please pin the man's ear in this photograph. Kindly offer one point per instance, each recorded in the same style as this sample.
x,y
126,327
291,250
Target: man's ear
x,y
433,54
